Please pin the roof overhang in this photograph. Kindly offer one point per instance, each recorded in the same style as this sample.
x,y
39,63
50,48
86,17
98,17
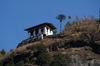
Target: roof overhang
x,y
48,24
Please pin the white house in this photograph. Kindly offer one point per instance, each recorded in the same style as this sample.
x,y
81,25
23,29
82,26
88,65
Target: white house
x,y
40,30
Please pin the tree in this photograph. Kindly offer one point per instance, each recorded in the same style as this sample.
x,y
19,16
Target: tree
x,y
68,24
3,52
61,17
74,22
54,31
69,17
99,15
99,18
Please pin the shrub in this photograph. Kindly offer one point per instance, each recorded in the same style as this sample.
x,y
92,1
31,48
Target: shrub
x,y
20,63
33,48
1,63
68,24
74,22
1,55
54,31
42,49
11,63
44,59
26,59
61,60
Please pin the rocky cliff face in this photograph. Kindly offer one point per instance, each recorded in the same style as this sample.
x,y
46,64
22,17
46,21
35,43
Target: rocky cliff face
x,y
77,60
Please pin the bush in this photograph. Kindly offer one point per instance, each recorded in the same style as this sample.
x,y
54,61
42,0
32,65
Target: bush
x,y
26,59
44,59
54,31
42,49
74,22
61,60
11,63
67,24
1,63
1,55
32,48
20,63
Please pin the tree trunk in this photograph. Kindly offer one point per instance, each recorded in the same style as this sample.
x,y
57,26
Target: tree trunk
x,y
60,25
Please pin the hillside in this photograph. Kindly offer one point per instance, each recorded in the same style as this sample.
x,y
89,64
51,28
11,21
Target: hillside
x,y
80,42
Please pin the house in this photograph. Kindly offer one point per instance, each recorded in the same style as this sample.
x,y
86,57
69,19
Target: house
x,y
41,30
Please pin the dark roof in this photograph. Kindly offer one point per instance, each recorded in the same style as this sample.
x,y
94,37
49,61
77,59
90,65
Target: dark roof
x,y
49,24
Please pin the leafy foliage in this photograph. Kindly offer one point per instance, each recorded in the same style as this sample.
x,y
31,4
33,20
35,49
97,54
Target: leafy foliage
x,y
54,31
3,52
1,64
11,63
69,17
1,55
20,63
32,48
61,17
61,60
42,49
26,59
44,59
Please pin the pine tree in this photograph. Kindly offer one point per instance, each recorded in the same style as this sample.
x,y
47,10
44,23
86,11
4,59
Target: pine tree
x,y
68,24
3,52
74,22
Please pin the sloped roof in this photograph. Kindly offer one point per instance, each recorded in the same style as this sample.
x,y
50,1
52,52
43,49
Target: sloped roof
x,y
34,27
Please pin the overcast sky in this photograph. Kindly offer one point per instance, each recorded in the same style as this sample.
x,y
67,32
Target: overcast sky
x,y
17,15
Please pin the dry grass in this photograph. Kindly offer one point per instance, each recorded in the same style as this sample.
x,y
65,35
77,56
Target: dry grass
x,y
73,33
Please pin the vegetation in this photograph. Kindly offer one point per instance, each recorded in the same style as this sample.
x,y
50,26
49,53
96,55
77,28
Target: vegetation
x,y
42,49
2,53
68,24
61,60
69,17
44,58
79,40
1,64
74,22
26,59
20,63
54,31
11,63
61,17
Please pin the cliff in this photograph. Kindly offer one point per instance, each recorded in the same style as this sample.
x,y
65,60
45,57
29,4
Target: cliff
x,y
80,41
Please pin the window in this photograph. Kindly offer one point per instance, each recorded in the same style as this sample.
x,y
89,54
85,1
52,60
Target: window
x,y
47,30
36,32
31,32
42,30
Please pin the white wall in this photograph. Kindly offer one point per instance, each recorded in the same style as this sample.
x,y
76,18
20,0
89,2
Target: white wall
x,y
39,32
49,32
29,34
45,30
34,33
